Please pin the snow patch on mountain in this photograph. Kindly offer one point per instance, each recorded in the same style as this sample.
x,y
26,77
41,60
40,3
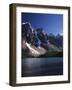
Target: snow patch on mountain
x,y
32,49
35,51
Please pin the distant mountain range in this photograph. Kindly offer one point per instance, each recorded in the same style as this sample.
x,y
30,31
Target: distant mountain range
x,y
36,43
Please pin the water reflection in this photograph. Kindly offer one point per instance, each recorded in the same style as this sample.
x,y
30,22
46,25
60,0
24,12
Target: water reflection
x,y
42,66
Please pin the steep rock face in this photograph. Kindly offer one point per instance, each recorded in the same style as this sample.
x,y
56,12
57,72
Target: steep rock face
x,y
26,32
38,42
33,37
29,34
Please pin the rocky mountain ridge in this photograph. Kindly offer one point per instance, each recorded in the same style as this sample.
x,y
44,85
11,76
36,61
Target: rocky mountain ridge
x,y
37,42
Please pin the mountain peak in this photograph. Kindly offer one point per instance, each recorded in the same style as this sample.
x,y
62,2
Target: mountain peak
x,y
38,38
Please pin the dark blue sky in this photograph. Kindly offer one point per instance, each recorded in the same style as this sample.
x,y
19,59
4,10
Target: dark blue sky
x,y
51,23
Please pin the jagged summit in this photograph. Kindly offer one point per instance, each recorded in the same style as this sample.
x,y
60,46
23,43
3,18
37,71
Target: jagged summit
x,y
37,41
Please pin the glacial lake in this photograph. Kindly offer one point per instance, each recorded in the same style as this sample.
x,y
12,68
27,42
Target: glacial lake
x,y
42,66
